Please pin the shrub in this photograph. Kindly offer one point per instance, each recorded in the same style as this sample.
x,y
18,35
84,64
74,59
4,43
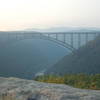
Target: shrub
x,y
83,81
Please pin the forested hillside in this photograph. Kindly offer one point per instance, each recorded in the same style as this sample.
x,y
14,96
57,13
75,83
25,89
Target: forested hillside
x,y
84,60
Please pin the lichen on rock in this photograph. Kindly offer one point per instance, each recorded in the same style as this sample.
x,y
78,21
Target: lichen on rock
x,y
21,89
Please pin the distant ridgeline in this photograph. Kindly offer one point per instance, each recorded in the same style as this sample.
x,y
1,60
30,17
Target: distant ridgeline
x,y
84,60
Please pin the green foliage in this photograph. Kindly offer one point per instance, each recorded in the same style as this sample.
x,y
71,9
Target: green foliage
x,y
83,81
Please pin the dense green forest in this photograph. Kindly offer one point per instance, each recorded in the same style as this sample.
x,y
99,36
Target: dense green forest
x,y
83,81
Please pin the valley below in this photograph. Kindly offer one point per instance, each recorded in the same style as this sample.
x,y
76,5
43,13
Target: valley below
x,y
49,49
26,58
21,89
22,61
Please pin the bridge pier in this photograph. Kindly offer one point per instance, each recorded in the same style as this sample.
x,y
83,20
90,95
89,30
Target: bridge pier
x,y
95,35
72,43
48,35
56,36
64,38
86,38
79,40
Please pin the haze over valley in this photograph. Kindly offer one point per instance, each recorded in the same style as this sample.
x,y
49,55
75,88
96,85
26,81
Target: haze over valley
x,y
27,57
49,49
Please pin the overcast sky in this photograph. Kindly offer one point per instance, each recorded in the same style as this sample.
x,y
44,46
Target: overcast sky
x,y
21,14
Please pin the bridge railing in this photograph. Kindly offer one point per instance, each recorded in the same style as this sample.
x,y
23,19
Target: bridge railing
x,y
72,40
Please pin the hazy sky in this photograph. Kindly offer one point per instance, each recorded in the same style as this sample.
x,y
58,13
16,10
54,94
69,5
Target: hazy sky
x,y
21,14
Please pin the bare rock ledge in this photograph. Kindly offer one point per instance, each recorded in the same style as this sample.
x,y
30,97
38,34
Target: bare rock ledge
x,y
21,89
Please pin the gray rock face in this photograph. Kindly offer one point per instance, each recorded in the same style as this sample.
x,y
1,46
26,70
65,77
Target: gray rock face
x,y
20,89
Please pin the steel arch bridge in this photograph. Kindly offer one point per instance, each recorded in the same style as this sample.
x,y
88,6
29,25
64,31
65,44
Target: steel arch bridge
x,y
70,40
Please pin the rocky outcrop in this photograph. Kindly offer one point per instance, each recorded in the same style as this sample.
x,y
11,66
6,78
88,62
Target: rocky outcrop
x,y
21,89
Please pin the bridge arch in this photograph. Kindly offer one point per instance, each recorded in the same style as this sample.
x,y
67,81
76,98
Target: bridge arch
x,y
61,43
54,37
